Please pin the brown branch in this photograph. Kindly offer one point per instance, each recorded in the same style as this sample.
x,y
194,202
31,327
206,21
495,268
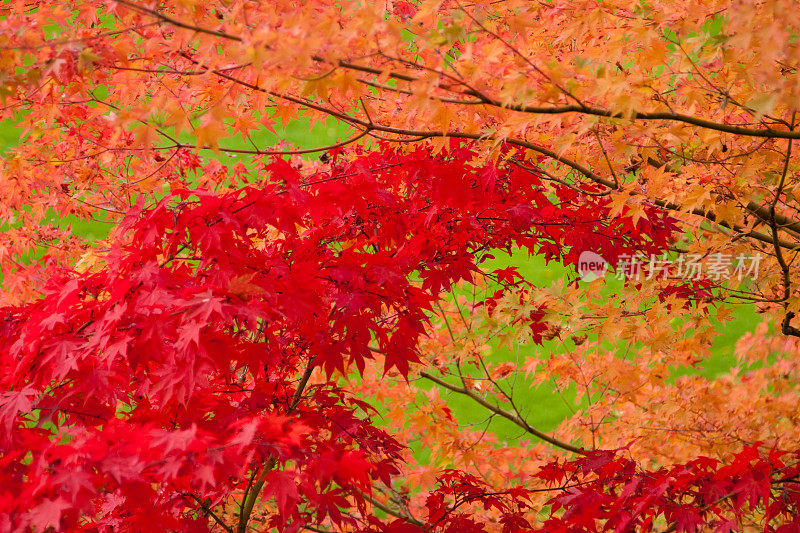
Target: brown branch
x,y
255,486
550,177
397,514
177,23
383,87
249,502
55,42
314,528
345,142
516,419
210,512
298,394
653,115
786,327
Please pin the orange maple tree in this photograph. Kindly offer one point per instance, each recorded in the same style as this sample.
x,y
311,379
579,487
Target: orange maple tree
x,y
658,136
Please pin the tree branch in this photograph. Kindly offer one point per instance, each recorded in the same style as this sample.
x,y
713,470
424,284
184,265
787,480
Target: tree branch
x,y
505,414
388,510
210,512
298,394
252,496
786,327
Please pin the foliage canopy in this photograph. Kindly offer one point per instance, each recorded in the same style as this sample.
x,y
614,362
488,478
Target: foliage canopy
x,y
262,338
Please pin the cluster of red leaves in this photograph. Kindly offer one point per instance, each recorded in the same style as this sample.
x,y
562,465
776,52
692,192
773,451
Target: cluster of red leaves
x,y
171,375
457,489
609,492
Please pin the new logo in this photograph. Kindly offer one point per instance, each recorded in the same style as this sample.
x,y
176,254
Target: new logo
x,y
591,266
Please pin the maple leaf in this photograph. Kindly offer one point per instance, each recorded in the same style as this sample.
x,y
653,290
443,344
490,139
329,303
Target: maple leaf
x,y
283,487
353,467
14,402
48,514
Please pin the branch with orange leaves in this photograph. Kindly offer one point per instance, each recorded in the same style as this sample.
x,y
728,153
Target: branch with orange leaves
x,y
513,417
580,108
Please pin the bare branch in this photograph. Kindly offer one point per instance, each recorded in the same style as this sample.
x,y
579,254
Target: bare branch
x,y
505,414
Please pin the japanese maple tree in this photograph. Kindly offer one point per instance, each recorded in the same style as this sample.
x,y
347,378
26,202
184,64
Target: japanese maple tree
x,y
273,338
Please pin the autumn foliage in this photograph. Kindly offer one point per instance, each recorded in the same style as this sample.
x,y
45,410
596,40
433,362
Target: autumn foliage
x,y
275,338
